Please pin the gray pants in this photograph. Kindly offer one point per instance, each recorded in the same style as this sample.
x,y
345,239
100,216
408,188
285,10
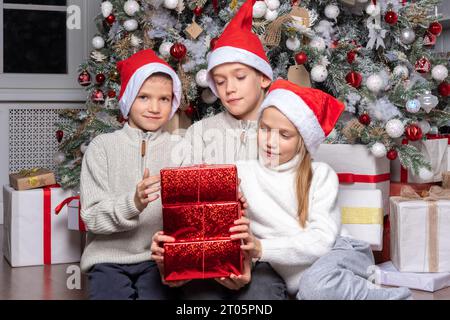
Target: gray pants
x,y
342,275
265,284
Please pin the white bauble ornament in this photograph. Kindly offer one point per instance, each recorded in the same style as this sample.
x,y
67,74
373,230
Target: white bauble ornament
x,y
424,126
130,25
83,147
135,41
318,43
407,36
375,83
434,130
292,43
131,7
332,11
428,101
259,9
208,97
378,150
272,4
107,8
271,15
319,73
439,72
401,71
164,49
59,157
395,128
425,174
201,79
98,42
373,10
413,106
170,4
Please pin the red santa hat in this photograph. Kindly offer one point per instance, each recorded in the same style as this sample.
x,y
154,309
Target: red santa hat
x,y
239,44
135,70
313,112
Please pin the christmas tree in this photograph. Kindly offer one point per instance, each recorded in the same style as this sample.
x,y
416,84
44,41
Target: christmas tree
x,y
374,55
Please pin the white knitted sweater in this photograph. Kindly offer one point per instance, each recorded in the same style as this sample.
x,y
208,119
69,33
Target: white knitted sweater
x,y
271,196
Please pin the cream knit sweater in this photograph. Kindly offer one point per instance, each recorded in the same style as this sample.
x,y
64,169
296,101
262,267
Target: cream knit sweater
x,y
271,196
220,139
112,166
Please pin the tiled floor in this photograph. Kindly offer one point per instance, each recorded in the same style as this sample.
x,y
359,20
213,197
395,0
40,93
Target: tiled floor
x,y
50,283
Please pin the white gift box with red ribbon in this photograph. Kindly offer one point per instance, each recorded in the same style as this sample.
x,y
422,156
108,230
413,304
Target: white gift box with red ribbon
x,y
362,215
435,150
33,234
357,168
74,221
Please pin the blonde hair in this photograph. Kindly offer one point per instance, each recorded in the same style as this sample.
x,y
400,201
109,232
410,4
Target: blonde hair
x,y
303,183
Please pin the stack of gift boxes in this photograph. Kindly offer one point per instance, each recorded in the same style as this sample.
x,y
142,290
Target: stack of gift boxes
x,y
35,230
412,242
200,205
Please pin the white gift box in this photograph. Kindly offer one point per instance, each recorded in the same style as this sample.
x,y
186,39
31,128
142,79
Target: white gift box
x,y
387,274
434,150
74,219
362,215
357,168
33,233
420,235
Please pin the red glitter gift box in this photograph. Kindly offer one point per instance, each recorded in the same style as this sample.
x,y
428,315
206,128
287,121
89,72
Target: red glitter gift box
x,y
200,221
202,259
201,183
200,204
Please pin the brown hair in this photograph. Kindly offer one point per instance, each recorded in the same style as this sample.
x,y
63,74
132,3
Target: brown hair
x,y
303,183
160,75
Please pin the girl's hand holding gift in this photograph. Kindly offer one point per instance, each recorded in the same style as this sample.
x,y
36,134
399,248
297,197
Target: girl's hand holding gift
x,y
157,249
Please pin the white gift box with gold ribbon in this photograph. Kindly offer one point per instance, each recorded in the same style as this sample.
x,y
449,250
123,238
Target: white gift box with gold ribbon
x,y
362,215
420,231
357,168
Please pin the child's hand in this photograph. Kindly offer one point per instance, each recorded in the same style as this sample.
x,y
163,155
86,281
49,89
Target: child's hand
x,y
146,190
251,244
157,249
242,200
235,282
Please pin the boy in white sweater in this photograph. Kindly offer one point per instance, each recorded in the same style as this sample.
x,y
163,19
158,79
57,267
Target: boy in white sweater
x,y
120,183
238,73
292,201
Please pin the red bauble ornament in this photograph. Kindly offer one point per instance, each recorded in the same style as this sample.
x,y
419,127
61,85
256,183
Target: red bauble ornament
x,y
178,51
111,94
189,111
198,11
121,119
351,55
444,89
110,19
213,42
301,58
97,96
392,154
429,39
435,28
335,44
59,135
413,132
100,78
391,17
364,119
354,79
423,65
84,79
